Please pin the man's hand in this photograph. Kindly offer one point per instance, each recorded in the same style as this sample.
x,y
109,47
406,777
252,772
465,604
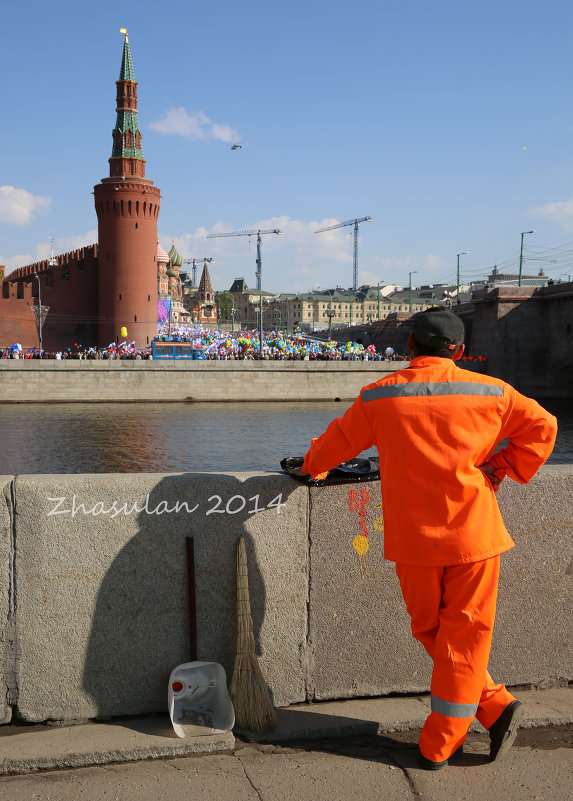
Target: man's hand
x,y
493,474
298,471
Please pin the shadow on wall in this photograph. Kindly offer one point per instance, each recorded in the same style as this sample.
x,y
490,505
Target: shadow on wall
x,y
140,629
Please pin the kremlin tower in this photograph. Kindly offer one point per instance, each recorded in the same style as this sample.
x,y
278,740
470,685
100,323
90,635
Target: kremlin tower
x,y
127,206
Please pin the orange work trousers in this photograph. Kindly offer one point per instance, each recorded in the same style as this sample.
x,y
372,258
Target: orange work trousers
x,y
452,609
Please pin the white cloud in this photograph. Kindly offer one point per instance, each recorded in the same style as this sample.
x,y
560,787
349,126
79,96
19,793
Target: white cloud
x,y
370,278
434,262
17,206
300,260
63,244
560,212
16,261
66,243
193,125
43,250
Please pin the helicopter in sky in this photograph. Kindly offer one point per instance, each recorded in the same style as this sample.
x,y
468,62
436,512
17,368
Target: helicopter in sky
x,y
236,147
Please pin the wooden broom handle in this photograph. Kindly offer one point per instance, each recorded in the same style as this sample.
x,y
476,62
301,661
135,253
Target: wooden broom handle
x,y
192,600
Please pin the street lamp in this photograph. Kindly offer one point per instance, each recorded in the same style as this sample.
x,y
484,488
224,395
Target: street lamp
x,y
330,313
312,301
410,292
521,254
260,283
463,253
39,313
233,310
567,275
379,282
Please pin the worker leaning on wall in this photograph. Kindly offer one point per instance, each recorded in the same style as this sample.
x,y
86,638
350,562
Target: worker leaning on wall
x,y
437,428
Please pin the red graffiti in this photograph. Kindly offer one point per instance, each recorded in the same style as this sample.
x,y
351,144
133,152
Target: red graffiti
x,y
357,502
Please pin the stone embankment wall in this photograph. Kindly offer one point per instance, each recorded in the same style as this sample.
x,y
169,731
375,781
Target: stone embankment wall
x,y
94,600
30,380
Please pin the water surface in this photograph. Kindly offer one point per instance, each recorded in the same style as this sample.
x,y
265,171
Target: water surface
x,y
178,437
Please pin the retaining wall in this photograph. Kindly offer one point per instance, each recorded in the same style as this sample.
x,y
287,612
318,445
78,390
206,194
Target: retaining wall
x,y
93,589
31,380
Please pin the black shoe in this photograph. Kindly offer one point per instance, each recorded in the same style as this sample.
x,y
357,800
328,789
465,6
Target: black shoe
x,y
504,731
427,764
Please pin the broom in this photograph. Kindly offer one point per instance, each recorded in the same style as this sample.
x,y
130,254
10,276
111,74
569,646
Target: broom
x,y
254,709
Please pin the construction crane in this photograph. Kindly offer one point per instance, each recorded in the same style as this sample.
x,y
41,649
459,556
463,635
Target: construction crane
x,y
193,262
252,232
356,224
259,272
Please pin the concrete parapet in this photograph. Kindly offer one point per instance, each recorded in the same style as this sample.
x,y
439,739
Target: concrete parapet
x,y
101,596
359,631
117,381
533,638
101,615
7,646
360,641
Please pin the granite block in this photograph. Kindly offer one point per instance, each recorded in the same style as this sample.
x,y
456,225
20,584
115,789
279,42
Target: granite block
x,y
101,585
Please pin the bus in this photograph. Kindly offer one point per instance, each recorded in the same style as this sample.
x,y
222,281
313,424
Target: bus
x,y
175,350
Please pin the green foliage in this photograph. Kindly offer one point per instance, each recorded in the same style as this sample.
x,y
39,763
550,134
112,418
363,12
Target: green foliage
x,y
225,303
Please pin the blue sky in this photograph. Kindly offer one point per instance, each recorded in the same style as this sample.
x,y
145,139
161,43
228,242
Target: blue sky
x,y
450,124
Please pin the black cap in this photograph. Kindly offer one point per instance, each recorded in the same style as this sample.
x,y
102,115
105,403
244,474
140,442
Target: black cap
x,y
439,329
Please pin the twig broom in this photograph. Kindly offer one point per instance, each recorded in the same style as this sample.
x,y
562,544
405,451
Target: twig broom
x,y
254,709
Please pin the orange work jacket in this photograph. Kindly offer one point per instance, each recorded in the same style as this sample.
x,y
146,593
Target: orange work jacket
x,y
433,424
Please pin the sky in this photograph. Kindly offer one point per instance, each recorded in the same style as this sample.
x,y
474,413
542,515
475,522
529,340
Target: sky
x,y
449,124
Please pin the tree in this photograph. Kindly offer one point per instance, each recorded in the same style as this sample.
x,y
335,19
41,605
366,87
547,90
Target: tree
x,y
225,304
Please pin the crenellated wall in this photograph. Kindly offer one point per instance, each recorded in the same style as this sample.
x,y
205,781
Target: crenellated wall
x,y
94,599
68,289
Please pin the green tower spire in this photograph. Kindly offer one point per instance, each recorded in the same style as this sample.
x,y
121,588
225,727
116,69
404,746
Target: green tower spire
x,y
126,134
126,71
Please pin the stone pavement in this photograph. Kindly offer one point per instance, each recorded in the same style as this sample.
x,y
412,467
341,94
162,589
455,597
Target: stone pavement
x,y
331,751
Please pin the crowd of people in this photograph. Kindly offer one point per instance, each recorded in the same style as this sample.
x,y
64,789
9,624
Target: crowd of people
x,y
217,344
76,351
276,345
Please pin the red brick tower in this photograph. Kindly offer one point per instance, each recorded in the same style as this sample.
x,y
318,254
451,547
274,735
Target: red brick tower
x,y
127,206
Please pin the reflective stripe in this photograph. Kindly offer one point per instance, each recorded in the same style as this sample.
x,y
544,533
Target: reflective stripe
x,y
453,710
414,389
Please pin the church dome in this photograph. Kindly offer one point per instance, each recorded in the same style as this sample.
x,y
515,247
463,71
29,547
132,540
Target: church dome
x,y
174,258
161,254
171,272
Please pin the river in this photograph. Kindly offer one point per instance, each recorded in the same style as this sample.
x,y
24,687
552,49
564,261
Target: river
x,y
178,437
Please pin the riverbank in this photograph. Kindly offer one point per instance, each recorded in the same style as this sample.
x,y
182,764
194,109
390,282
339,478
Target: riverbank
x,y
94,601
135,381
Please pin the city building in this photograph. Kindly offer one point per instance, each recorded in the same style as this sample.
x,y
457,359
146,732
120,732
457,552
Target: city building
x,y
323,309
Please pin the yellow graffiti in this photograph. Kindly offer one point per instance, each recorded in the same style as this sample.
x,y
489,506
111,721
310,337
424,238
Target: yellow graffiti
x,y
379,524
360,543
